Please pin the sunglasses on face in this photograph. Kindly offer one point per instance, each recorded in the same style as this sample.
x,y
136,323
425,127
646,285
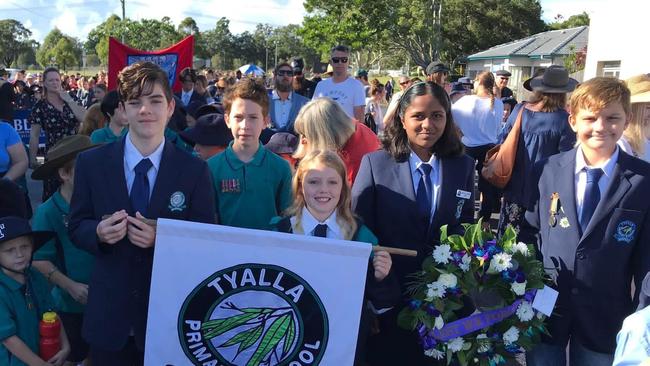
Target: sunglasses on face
x,y
404,83
285,73
336,60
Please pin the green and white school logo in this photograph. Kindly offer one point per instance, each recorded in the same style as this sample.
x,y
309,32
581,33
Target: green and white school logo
x,y
253,314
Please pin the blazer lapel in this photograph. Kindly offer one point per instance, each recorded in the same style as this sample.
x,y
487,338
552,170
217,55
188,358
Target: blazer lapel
x,y
167,175
114,174
618,186
566,190
404,180
447,199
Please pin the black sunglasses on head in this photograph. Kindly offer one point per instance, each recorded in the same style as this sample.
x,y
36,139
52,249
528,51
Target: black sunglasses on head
x,y
336,60
285,73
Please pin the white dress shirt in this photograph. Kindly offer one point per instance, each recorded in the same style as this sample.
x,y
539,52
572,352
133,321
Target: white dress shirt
x,y
132,157
282,109
186,97
581,176
309,223
436,177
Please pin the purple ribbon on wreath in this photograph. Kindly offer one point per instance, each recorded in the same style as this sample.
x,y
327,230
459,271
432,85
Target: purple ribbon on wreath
x,y
461,327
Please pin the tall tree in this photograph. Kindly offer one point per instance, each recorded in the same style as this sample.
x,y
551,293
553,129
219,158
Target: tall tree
x,y
14,40
188,27
63,53
218,42
573,21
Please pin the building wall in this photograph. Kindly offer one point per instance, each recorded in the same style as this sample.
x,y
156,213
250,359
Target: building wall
x,y
626,46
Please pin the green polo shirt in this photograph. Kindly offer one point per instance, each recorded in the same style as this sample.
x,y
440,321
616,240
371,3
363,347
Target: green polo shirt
x,y
250,194
52,216
106,135
15,316
175,139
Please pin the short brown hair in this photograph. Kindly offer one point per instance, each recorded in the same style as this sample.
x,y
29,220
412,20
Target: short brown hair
x,y
597,93
247,89
139,79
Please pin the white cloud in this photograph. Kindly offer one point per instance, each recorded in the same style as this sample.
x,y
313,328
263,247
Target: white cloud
x,y
36,33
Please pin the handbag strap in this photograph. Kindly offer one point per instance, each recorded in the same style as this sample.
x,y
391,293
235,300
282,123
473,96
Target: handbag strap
x,y
516,127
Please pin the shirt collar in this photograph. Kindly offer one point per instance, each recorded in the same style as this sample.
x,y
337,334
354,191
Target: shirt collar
x,y
132,156
9,282
309,223
607,167
415,161
275,96
60,202
187,92
237,164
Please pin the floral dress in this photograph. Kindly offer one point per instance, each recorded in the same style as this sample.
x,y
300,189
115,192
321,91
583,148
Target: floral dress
x,y
56,125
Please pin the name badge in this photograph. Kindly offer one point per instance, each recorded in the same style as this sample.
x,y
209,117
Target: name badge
x,y
463,194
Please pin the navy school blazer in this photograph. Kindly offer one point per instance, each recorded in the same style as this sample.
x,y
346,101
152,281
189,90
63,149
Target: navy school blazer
x,y
384,197
119,287
593,270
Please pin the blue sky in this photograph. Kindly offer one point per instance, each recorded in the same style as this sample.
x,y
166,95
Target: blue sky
x,y
78,17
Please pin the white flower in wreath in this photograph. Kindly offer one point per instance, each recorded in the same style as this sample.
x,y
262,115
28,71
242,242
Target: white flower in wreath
x,y
511,336
448,280
525,311
439,322
435,290
521,248
465,262
500,262
540,315
564,223
456,344
434,353
483,343
519,288
442,254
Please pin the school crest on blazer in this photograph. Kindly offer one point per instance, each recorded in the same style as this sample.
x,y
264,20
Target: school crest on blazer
x,y
253,314
177,201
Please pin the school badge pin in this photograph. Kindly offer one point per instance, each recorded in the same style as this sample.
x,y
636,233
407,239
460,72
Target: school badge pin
x,y
253,314
177,201
625,231
2,227
564,223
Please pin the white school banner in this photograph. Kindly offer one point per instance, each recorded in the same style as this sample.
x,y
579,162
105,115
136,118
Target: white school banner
x,y
230,296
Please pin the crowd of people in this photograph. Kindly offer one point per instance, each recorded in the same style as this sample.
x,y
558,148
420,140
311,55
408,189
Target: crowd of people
x,y
325,158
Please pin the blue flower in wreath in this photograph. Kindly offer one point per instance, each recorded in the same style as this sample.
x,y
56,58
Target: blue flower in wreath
x,y
520,276
457,257
509,276
431,310
415,304
428,342
480,252
513,348
454,291
492,247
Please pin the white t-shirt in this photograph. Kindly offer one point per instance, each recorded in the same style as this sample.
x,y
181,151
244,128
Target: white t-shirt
x,y
348,94
479,123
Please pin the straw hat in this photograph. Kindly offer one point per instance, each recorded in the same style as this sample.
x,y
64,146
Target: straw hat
x,y
639,88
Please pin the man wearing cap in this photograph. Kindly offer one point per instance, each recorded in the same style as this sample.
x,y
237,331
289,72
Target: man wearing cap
x,y
437,72
501,89
209,136
457,91
284,103
341,87
66,266
301,85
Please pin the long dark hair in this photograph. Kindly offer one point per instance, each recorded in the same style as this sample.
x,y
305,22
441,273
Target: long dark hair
x,y
395,140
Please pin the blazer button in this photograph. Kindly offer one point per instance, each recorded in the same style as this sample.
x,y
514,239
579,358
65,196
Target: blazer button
x,y
581,255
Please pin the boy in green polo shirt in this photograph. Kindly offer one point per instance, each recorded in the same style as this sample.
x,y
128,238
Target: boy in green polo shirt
x,y
67,267
117,122
24,295
252,184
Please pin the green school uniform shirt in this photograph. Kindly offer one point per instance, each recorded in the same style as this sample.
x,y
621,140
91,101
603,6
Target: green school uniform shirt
x,y
106,135
175,139
52,216
249,194
15,316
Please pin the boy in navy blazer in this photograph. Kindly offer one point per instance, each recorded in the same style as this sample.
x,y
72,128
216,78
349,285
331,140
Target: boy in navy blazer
x,y
116,186
591,220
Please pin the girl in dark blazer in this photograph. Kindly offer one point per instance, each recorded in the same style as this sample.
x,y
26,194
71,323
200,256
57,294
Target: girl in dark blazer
x,y
420,181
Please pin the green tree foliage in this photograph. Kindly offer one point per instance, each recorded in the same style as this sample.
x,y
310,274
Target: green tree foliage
x,y
59,49
145,34
218,43
14,40
573,21
424,30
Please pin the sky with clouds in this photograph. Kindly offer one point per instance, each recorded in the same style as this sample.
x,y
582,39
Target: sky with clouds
x,y
78,17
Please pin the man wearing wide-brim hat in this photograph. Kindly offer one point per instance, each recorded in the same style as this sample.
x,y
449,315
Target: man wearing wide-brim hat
x,y
67,267
437,72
